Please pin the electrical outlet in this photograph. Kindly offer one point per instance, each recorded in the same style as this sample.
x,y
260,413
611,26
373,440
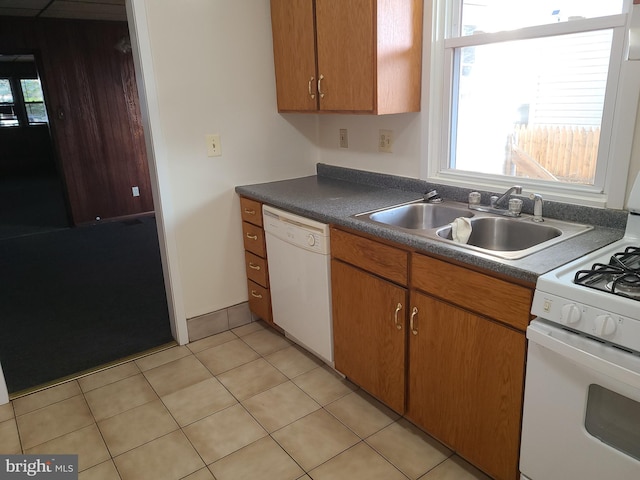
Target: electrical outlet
x,y
135,191
344,138
385,141
214,147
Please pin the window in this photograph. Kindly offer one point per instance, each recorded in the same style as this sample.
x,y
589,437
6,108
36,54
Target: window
x,y
8,117
528,95
33,101
25,108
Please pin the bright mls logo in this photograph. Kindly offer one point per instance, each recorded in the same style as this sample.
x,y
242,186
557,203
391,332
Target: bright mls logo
x,y
50,467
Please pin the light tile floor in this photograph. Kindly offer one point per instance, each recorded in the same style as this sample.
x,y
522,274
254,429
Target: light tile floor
x,y
244,404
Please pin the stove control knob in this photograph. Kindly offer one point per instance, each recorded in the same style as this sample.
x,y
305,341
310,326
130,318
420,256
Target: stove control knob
x,y
311,240
570,314
605,325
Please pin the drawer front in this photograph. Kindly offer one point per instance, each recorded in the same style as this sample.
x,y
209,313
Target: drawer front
x,y
256,269
383,260
259,301
253,238
477,292
251,211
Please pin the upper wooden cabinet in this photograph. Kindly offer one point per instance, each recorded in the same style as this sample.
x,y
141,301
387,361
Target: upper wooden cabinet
x,y
356,56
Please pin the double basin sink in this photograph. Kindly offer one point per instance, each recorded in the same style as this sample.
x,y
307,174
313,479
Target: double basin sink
x,y
509,238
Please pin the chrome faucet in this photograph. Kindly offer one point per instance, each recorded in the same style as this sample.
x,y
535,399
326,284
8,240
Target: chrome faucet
x,y
497,204
537,207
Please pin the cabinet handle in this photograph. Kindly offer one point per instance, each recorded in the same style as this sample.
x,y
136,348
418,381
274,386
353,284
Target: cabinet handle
x,y
254,266
414,312
254,294
320,86
395,316
252,237
249,212
311,94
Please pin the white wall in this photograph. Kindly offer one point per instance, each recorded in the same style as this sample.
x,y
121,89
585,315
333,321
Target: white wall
x,y
213,70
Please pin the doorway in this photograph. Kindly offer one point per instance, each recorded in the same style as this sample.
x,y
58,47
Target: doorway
x,y
87,289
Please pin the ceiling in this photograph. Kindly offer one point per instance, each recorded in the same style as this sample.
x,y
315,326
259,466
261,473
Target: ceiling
x,y
78,9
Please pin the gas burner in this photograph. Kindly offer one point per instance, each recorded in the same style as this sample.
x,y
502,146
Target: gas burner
x,y
621,276
627,285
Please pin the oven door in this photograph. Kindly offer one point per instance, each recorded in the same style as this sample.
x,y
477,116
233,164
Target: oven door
x,y
581,414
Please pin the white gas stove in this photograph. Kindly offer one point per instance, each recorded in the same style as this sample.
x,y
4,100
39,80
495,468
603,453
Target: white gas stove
x,y
599,294
581,416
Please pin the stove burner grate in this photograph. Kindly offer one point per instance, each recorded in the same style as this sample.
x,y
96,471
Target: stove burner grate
x,y
621,276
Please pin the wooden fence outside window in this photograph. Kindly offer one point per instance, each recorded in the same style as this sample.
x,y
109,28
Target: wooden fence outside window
x,y
562,153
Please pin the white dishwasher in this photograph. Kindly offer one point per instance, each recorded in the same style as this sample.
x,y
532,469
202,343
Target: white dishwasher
x,y
299,279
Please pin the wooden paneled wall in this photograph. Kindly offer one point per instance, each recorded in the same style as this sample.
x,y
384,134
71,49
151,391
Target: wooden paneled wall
x,y
93,106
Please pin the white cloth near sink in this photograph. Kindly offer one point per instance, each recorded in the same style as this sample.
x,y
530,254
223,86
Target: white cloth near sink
x,y
461,229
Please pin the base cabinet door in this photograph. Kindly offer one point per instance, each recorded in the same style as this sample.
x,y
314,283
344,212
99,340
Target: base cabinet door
x,y
369,332
465,375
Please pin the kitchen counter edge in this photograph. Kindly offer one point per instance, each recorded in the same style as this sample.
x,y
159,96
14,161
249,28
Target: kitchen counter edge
x,y
334,200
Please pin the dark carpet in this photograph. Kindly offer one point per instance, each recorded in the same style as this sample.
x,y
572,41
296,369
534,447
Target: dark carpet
x,y
77,298
31,204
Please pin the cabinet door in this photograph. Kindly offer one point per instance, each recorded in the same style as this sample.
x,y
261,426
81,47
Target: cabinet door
x,y
465,383
293,30
346,54
369,348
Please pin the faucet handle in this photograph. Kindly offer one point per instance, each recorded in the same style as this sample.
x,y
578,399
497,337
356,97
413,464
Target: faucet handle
x,y
432,197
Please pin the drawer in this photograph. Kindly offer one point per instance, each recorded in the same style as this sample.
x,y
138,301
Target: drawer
x,y
477,292
383,260
256,269
251,211
259,301
253,238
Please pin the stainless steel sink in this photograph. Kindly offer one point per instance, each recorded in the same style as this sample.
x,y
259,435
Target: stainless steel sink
x,y
418,216
513,238
503,234
503,237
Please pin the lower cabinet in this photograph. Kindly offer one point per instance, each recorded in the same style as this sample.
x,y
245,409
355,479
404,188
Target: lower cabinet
x,y
255,256
369,332
465,383
444,345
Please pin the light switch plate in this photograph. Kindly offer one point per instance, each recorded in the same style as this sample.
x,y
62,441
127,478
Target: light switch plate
x,y
214,147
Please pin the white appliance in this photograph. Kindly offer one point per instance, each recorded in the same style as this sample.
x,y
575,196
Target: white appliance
x,y
299,279
581,416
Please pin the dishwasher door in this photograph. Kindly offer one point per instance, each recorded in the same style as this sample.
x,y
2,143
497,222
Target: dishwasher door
x,y
299,279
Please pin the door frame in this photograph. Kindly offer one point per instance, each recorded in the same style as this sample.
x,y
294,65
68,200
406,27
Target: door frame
x,y
158,158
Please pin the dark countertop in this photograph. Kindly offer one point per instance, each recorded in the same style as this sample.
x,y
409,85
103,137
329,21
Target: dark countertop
x,y
329,198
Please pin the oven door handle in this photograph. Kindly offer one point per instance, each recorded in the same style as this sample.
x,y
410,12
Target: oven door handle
x,y
617,364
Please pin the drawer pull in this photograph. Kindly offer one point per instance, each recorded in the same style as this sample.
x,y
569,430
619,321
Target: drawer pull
x,y
395,316
249,212
254,266
252,237
255,294
414,312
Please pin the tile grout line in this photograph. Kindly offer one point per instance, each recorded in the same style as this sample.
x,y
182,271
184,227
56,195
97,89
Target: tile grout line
x,y
214,376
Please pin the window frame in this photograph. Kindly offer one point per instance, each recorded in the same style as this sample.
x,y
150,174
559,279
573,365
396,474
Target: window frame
x,y
14,105
20,104
618,122
25,103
